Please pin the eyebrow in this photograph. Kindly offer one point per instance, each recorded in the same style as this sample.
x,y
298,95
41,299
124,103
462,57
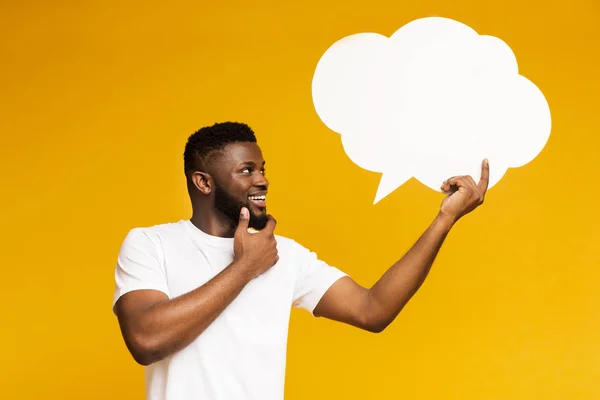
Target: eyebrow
x,y
251,164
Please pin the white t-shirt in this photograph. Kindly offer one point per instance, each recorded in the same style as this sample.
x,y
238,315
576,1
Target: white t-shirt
x,y
242,354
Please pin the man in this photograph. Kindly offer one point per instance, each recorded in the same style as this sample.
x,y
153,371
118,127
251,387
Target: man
x,y
205,303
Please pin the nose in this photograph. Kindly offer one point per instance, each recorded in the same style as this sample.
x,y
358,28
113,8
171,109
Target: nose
x,y
261,181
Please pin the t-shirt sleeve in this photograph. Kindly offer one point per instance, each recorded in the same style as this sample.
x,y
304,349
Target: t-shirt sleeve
x,y
139,265
313,278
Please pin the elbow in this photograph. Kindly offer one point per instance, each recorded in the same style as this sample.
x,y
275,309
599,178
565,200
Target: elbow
x,y
143,359
376,327
144,350
376,319
373,323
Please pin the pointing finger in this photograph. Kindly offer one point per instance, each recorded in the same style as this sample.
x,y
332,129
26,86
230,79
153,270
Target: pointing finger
x,y
485,177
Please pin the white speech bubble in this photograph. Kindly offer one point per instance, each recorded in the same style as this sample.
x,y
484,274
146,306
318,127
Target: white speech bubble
x,y
430,102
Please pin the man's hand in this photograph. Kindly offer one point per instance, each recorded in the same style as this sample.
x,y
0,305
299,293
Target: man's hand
x,y
256,251
465,195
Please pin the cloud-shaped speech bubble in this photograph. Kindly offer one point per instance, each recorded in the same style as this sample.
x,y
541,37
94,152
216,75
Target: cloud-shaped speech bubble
x,y
430,102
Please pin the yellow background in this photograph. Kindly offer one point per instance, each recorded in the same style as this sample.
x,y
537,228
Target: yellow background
x,y
97,99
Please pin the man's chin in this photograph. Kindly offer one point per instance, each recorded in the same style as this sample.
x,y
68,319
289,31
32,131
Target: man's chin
x,y
258,221
256,210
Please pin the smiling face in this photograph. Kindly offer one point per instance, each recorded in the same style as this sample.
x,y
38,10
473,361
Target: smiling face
x,y
238,172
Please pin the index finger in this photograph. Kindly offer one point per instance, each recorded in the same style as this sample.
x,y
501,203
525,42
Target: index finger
x,y
485,176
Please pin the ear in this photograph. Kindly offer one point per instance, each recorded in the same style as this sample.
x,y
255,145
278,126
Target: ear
x,y
203,182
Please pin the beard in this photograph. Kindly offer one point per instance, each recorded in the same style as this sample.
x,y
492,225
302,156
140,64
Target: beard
x,y
231,207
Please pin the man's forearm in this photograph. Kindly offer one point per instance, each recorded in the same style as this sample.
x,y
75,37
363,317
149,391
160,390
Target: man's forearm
x,y
399,283
158,331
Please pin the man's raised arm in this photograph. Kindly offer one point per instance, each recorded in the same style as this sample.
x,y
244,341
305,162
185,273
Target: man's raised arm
x,y
375,308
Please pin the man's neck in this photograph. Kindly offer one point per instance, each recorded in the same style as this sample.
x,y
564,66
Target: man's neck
x,y
213,223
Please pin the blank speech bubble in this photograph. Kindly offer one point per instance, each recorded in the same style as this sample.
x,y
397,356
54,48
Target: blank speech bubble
x,y
430,102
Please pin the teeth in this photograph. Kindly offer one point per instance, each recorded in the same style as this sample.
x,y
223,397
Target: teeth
x,y
263,198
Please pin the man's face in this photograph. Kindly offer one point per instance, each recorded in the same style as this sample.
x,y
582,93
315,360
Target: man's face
x,y
238,173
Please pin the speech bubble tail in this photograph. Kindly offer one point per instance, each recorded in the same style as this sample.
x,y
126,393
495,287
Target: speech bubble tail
x,y
389,183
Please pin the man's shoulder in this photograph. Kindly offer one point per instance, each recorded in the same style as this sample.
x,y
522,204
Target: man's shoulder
x,y
156,231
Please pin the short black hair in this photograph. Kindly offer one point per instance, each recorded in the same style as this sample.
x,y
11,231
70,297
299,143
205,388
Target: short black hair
x,y
210,138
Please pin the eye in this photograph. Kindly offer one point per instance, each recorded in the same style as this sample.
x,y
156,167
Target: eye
x,y
263,171
246,170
